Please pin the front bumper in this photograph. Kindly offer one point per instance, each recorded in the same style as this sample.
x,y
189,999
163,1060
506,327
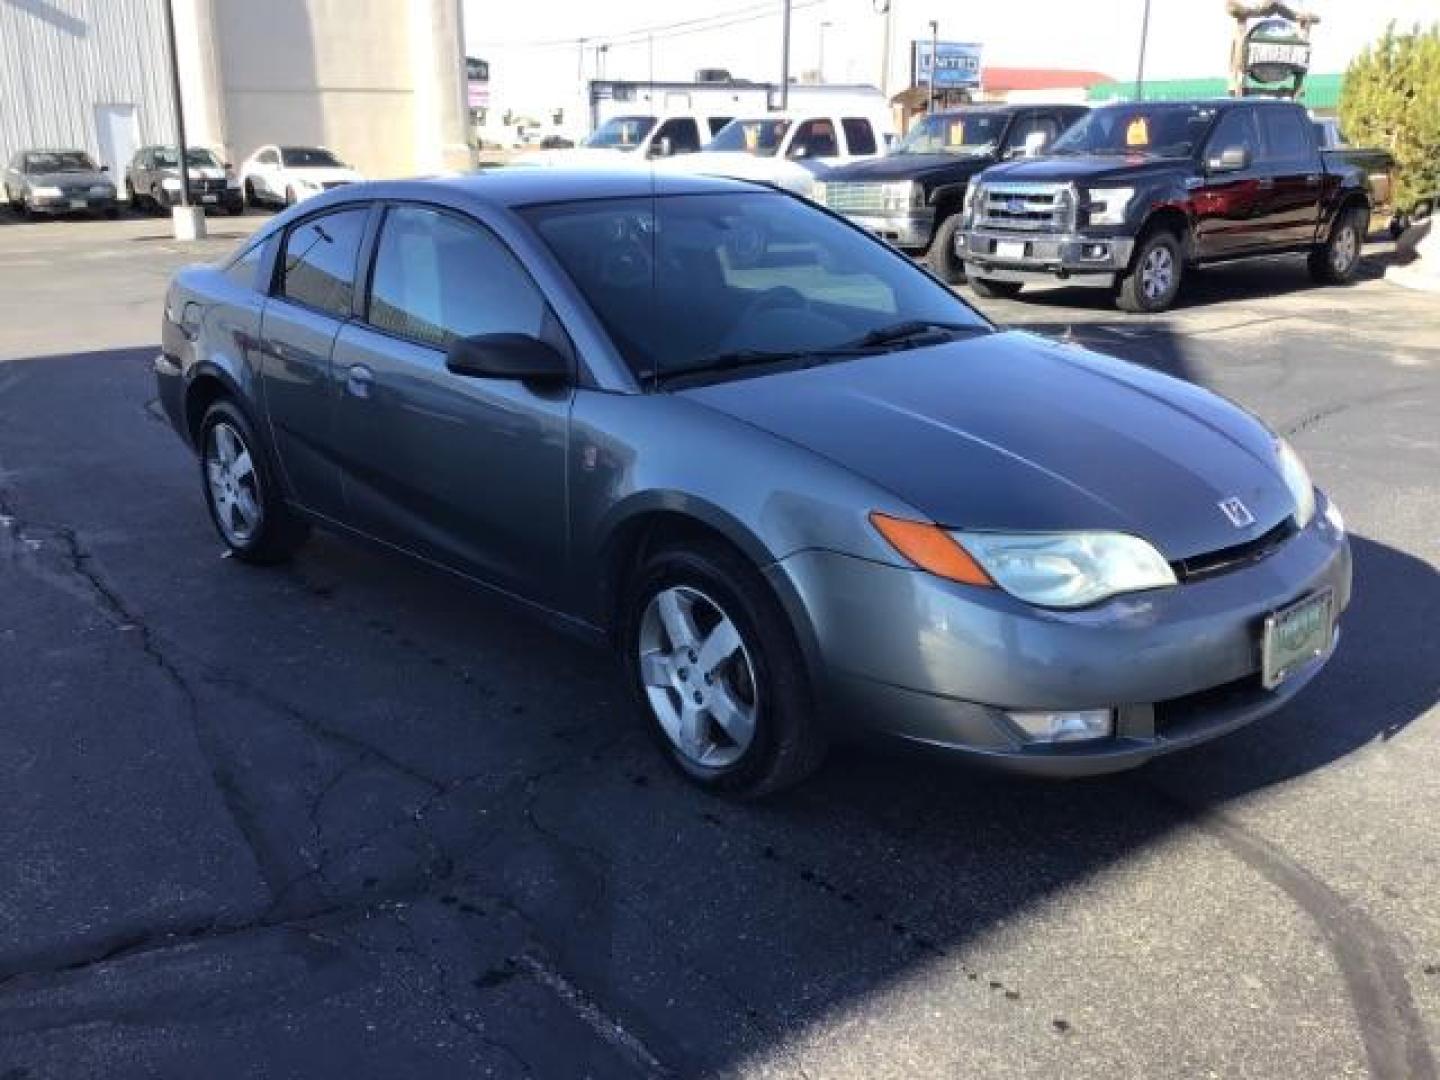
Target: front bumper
x,y
907,654
909,230
1073,258
71,204
227,199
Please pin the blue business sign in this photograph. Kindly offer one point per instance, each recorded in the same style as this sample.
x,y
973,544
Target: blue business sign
x,y
958,66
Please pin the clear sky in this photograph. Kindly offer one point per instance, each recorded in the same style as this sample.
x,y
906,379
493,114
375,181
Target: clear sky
x,y
535,58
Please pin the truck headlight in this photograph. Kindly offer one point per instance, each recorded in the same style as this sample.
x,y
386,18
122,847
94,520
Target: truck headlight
x,y
1106,206
1066,570
171,183
48,191
1297,479
902,196
817,192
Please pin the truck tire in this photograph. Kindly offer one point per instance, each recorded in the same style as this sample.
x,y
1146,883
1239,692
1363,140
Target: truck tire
x,y
1336,261
1153,280
989,289
941,257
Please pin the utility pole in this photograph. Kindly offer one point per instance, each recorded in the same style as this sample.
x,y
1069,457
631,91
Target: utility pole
x,y
934,61
189,225
785,58
820,67
1140,72
887,9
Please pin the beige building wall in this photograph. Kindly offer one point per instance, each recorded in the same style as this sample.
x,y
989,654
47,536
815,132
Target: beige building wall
x,y
380,82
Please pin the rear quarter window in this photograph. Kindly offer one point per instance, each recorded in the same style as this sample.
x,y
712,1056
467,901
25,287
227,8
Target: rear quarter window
x,y
859,135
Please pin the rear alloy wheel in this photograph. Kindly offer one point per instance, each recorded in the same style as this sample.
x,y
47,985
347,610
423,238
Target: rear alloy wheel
x,y
1336,261
715,668
1153,281
941,257
248,511
990,289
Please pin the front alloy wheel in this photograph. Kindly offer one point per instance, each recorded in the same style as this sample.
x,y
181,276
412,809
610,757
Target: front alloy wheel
x,y
698,677
247,507
234,485
1154,280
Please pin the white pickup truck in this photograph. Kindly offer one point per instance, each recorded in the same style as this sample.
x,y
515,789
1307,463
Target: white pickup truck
x,y
786,149
637,139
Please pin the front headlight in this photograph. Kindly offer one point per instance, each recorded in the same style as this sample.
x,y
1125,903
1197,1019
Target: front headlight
x,y
1107,206
1297,479
817,192
232,182
48,191
902,196
104,190
1066,570
171,183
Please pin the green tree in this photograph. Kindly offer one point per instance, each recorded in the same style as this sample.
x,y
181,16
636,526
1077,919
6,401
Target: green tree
x,y
1391,98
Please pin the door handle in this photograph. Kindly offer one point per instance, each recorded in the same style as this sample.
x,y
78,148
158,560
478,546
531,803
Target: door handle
x,y
1266,183
358,379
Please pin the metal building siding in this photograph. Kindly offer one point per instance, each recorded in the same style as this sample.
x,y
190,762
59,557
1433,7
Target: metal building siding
x,y
61,58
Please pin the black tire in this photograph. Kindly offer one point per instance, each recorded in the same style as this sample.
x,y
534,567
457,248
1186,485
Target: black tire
x,y
1337,260
235,209
159,201
252,197
112,213
1153,280
789,741
279,532
990,289
941,257
289,196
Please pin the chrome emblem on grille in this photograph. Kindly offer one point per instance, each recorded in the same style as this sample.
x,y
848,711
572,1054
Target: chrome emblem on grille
x,y
1015,206
1237,512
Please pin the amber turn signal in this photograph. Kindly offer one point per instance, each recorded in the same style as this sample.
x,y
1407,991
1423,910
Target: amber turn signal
x,y
931,548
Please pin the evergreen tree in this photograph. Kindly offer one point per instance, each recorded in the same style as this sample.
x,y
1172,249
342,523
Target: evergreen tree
x,y
1391,99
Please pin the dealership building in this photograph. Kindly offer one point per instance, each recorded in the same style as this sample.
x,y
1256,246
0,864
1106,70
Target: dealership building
x,y
380,82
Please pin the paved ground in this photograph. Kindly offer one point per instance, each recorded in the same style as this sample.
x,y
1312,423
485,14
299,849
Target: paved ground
x,y
345,819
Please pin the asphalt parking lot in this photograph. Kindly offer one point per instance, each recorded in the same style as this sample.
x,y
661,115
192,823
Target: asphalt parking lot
x,y
347,819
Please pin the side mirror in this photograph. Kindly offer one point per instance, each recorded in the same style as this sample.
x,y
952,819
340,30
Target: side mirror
x,y
1231,159
508,356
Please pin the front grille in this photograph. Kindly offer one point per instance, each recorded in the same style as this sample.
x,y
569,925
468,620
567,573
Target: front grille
x,y
206,184
1178,712
1211,563
1014,207
854,197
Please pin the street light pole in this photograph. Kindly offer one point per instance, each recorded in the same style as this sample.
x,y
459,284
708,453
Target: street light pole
x,y
934,61
820,66
1144,35
192,228
785,58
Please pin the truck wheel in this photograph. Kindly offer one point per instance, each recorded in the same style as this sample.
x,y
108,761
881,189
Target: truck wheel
x,y
1336,260
989,289
1153,280
941,257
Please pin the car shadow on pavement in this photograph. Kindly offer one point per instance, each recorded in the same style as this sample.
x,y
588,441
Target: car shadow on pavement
x,y
390,738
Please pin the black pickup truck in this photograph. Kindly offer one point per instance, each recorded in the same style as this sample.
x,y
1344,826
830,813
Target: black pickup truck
x,y
1136,193
912,196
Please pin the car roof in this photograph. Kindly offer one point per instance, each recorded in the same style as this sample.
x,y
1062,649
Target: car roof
x,y
528,185
1211,103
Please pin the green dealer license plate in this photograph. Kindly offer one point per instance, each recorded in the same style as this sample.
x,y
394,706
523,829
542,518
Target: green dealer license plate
x,y
1294,635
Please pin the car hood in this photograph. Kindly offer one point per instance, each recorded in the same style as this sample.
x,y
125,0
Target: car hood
x,y
894,167
325,175
1086,169
1014,432
68,179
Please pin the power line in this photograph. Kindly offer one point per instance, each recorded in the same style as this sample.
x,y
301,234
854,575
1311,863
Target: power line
x,y
702,24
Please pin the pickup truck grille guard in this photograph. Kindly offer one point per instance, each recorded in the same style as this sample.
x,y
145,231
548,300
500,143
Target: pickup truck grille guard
x,y
1018,207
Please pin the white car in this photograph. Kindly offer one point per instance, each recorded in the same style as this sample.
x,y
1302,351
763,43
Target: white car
x,y
285,175
785,149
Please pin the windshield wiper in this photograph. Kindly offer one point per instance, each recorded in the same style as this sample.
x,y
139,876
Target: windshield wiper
x,y
741,358
912,329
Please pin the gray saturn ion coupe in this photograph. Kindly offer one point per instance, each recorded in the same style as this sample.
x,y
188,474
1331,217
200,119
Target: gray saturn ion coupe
x,y
798,484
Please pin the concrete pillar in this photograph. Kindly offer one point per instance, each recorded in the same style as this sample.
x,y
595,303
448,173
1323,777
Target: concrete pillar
x,y
202,81
437,61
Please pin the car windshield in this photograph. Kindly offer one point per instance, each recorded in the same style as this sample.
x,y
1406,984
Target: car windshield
x,y
194,156
685,283
309,157
759,137
621,133
61,161
949,133
1165,131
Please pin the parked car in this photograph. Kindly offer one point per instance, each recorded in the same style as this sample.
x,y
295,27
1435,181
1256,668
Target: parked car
x,y
1379,168
912,196
636,140
788,150
797,482
1135,193
153,180
284,175
58,182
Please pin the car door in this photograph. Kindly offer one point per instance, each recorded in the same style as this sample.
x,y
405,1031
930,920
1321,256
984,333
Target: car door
x,y
469,472
311,298
1291,176
1230,204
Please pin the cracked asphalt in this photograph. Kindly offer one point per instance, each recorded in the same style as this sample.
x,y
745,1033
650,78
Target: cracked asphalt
x,y
348,819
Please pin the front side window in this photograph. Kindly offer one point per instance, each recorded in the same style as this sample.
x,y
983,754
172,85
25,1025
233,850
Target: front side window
x,y
683,134
1235,128
1284,134
1020,134
309,157
438,278
1143,130
965,134
859,135
715,123
318,266
815,139
682,280
759,137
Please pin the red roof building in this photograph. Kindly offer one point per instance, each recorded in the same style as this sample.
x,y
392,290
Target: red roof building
x,y
1035,84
